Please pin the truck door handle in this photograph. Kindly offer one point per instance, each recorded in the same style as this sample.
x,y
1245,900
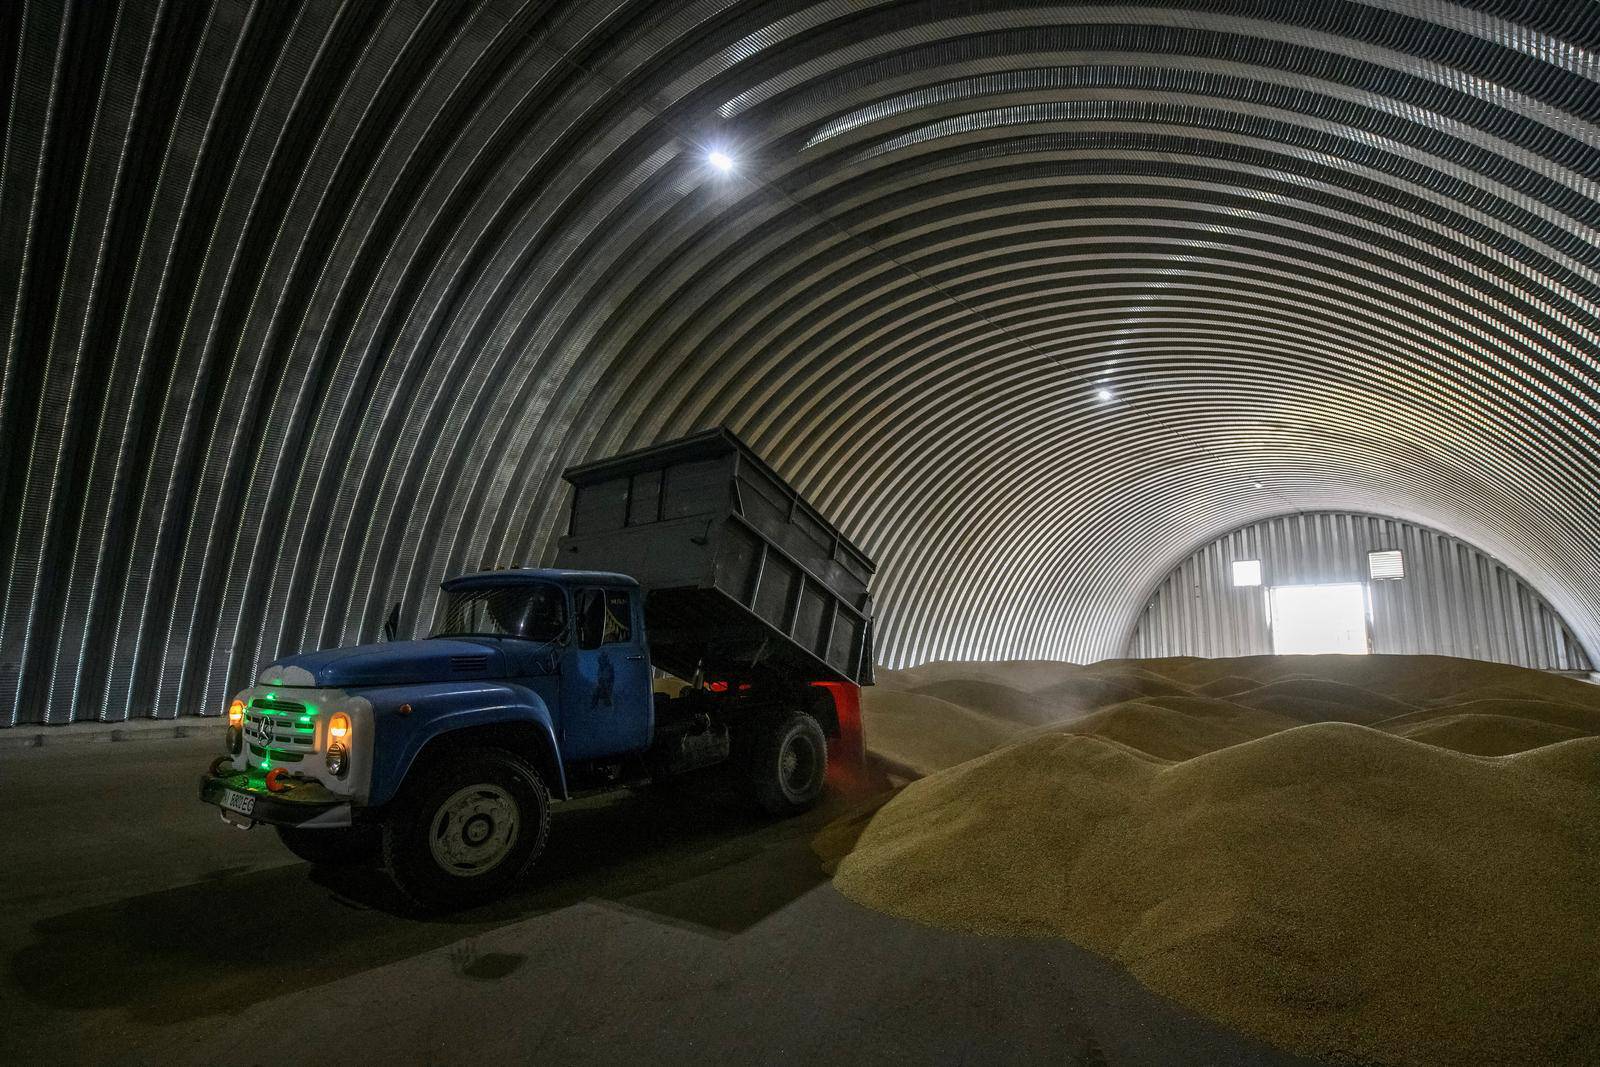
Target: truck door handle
x,y
637,655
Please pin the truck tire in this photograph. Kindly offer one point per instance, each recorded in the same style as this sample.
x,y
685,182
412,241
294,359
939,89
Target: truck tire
x,y
343,846
786,763
465,828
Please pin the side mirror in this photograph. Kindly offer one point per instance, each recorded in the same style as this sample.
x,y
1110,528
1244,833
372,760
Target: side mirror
x,y
391,625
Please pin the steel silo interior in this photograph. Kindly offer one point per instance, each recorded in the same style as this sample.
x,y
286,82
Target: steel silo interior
x,y
308,304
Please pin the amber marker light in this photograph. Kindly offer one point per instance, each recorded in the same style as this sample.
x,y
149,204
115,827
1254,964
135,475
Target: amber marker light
x,y
235,727
339,726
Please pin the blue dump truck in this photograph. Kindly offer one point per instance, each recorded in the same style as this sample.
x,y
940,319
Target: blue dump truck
x,y
440,758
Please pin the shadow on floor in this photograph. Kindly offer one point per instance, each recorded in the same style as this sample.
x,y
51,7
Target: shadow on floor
x,y
686,858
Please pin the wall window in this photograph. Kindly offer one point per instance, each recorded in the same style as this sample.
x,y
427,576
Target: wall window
x,y
1386,566
1247,572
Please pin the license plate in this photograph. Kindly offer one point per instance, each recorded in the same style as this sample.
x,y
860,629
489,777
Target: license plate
x,y
239,802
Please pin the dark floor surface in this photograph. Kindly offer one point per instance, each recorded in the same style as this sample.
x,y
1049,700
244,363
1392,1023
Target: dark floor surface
x,y
136,927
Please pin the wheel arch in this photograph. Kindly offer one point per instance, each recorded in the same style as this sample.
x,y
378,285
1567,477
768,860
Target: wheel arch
x,y
520,726
528,739
817,702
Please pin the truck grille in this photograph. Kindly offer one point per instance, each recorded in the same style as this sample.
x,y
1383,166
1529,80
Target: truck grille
x,y
282,728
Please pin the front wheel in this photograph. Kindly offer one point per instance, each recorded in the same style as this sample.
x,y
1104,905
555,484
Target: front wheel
x,y
786,763
466,828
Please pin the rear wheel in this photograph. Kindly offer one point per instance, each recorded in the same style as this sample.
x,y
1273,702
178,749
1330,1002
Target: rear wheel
x,y
465,828
342,846
786,763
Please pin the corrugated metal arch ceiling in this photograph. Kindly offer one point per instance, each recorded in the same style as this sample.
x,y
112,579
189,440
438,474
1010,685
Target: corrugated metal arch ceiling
x,y
309,303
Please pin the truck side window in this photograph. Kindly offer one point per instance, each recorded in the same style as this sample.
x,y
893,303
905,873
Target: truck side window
x,y
619,616
591,617
605,616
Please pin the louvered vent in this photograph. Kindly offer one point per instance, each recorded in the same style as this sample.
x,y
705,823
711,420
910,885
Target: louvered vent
x,y
469,664
1386,566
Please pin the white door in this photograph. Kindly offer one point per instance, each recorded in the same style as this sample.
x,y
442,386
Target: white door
x,y
1311,619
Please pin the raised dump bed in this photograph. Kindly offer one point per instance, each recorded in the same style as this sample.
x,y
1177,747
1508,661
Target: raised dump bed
x,y
742,577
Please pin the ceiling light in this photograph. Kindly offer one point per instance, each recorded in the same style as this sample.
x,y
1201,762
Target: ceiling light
x,y
721,160
1105,395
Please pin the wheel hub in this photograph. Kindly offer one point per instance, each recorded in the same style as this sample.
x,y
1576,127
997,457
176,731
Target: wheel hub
x,y
796,764
474,830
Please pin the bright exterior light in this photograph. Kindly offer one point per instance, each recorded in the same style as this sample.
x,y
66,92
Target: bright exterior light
x,y
1105,395
339,727
1247,572
721,160
1311,620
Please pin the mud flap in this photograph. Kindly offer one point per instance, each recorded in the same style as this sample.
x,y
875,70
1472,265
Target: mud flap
x,y
847,753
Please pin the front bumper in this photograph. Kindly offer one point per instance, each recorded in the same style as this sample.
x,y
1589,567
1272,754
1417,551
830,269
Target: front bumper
x,y
307,804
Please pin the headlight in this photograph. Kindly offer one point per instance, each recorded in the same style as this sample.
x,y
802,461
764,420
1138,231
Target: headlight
x,y
235,739
338,759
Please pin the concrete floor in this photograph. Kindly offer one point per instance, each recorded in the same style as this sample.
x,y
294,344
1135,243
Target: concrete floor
x,y
136,927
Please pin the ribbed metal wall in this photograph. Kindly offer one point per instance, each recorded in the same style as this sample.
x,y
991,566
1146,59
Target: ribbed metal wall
x,y
307,303
1453,601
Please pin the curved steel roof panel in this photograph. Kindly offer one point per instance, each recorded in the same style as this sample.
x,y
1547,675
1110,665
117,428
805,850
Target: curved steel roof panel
x,y
308,304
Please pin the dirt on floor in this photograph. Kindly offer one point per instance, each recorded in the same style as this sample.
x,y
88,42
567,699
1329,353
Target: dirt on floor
x,y
1378,859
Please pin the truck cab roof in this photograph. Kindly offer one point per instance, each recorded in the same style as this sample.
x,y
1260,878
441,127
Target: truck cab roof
x,y
512,576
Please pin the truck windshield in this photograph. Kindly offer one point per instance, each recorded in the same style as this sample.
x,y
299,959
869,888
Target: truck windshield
x,y
536,611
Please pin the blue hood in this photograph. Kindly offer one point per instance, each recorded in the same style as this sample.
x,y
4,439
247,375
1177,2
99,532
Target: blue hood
x,y
437,659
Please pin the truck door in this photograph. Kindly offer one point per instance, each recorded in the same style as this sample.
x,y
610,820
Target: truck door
x,y
606,705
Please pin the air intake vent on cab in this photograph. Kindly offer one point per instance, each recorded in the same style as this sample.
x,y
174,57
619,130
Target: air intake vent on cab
x,y
469,664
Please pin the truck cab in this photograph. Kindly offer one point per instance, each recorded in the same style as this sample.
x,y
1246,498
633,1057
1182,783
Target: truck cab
x,y
442,756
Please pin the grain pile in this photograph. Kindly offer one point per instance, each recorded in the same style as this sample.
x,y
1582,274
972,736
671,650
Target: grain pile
x,y
1368,859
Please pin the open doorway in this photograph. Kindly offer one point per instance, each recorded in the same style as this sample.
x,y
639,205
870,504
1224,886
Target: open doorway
x,y
1313,619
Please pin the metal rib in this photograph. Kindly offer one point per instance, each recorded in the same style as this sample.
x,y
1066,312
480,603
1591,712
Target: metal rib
x,y
308,304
